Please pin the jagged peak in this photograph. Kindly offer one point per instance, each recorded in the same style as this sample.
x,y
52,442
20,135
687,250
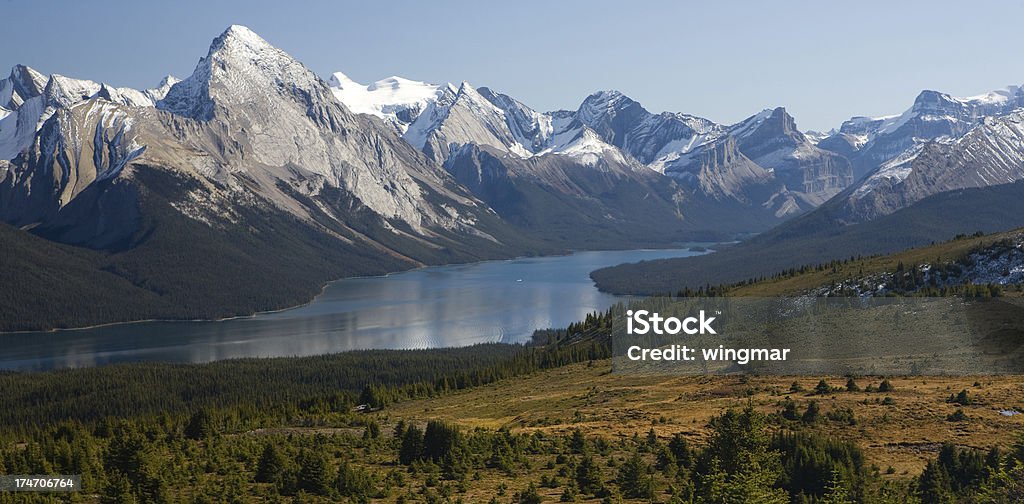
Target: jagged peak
x,y
239,36
342,81
930,98
168,81
22,84
606,95
248,68
465,88
752,123
107,92
26,76
62,90
783,119
603,105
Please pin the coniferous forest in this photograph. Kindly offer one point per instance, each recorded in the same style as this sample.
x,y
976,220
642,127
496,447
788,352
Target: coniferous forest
x,y
323,430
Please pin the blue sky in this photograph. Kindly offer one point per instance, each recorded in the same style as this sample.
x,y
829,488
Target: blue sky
x,y
825,61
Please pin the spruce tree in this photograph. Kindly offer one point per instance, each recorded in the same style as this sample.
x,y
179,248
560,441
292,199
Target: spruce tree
x,y
313,476
588,476
200,426
412,446
634,479
270,466
934,486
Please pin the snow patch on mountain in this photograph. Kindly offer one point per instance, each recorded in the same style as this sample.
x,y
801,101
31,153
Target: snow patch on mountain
x,y
587,148
395,99
160,91
749,125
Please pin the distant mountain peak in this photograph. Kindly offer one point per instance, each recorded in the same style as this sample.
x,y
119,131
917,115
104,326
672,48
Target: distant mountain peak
x,y
168,80
24,83
394,82
397,100
239,36
607,95
247,69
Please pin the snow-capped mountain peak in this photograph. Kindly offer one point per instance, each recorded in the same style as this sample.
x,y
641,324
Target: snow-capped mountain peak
x,y
749,125
22,84
395,99
238,37
160,91
246,69
888,143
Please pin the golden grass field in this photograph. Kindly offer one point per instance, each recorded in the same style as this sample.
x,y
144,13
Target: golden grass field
x,y
903,435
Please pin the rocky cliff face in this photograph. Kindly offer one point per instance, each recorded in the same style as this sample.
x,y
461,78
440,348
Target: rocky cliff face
x,y
934,117
991,153
251,125
772,140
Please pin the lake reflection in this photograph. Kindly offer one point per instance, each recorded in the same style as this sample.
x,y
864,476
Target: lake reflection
x,y
440,306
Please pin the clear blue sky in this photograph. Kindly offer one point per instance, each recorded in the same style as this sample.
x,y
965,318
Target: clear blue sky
x,y
825,61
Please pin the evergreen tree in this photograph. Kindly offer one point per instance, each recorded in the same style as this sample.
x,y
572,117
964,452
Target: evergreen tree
x,y
412,446
588,476
738,465
812,414
836,492
635,480
934,486
118,490
529,496
353,482
270,466
1006,486
372,430
789,410
822,388
440,441
578,442
680,449
851,385
200,426
313,476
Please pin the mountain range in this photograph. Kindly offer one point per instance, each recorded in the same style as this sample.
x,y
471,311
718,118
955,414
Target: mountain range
x,y
255,173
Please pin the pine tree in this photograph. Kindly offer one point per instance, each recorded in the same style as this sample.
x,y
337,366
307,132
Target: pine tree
x,y
440,441
812,414
836,492
200,426
634,479
738,464
412,446
529,496
578,443
588,476
372,430
353,482
270,466
313,476
1006,486
790,411
934,486
822,388
851,386
680,449
885,386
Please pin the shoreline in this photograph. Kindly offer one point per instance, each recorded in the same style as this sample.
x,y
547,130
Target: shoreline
x,y
323,288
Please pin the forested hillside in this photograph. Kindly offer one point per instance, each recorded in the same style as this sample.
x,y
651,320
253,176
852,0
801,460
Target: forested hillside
x,y
815,238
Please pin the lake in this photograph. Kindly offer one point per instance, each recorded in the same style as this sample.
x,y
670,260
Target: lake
x,y
441,306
